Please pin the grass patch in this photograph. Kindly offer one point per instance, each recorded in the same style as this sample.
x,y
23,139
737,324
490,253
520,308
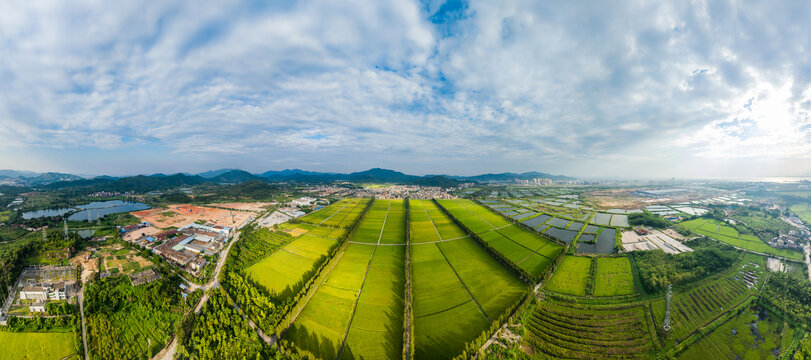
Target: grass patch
x,y
571,277
613,277
36,346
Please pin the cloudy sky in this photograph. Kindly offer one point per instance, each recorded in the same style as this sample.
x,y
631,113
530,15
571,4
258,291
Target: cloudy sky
x,y
604,88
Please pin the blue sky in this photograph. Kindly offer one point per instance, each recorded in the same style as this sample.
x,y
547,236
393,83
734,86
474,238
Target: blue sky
x,y
648,89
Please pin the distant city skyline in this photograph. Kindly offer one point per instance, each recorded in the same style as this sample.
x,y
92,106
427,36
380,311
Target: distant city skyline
x,y
588,89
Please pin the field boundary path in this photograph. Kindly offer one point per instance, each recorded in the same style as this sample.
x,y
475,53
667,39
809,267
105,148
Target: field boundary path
x,y
298,309
477,215
333,214
453,269
357,298
382,228
84,332
464,285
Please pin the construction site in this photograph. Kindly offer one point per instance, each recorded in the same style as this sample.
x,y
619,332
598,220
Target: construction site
x,y
176,216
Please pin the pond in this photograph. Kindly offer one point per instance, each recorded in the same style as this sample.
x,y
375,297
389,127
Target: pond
x,y
45,213
89,212
98,210
603,245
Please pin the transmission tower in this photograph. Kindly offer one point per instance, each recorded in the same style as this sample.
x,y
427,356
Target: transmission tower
x,y
66,227
666,324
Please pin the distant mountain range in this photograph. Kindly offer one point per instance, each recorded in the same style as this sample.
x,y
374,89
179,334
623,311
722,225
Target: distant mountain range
x,y
160,181
30,178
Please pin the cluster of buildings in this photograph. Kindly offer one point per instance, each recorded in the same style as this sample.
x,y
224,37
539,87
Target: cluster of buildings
x,y
790,240
39,284
187,247
402,191
107,194
17,202
128,228
144,277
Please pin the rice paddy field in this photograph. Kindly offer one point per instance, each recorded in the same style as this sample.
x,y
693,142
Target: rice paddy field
x,y
357,311
458,289
38,346
722,232
698,306
613,277
285,270
571,277
558,329
527,250
343,213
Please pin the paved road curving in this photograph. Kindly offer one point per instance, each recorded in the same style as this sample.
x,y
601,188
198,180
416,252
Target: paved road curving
x,y
168,353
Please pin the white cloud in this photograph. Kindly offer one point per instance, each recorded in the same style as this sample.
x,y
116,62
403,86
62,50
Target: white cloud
x,y
513,85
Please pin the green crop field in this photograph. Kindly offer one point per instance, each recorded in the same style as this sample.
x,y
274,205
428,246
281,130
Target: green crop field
x,y
723,232
428,223
388,215
527,250
803,211
571,277
613,277
37,346
698,306
340,214
735,339
286,269
371,266
458,288
559,329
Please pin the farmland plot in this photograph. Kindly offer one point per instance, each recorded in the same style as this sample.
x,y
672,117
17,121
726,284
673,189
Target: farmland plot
x,y
567,330
619,220
285,270
526,249
45,346
360,304
458,288
699,306
735,340
341,214
613,277
571,276
601,219
725,233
